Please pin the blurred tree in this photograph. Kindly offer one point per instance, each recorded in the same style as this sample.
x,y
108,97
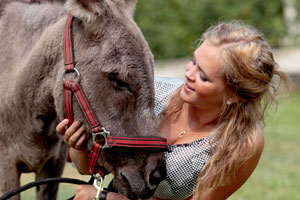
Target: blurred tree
x,y
173,27
291,18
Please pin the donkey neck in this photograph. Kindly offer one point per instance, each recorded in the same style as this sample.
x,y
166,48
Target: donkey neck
x,y
30,72
37,75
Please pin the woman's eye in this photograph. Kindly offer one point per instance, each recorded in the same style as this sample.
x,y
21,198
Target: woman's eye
x,y
202,76
193,61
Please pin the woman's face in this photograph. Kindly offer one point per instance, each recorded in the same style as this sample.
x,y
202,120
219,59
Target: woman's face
x,y
204,87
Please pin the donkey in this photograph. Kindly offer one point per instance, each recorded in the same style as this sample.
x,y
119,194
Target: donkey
x,y
116,68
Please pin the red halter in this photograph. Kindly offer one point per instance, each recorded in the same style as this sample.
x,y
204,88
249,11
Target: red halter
x,y
73,87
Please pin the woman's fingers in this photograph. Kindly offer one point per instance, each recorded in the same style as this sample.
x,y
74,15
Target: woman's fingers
x,y
76,140
74,135
80,143
113,196
85,192
61,127
70,131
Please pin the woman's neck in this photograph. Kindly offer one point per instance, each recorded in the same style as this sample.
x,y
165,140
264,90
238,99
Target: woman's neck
x,y
198,119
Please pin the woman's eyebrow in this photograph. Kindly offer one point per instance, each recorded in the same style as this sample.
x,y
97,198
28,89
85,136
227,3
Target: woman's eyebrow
x,y
206,76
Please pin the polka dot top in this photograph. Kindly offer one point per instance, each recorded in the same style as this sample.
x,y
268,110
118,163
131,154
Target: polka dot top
x,y
183,161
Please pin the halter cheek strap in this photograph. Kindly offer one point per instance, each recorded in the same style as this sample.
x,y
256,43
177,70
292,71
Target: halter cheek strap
x,y
71,88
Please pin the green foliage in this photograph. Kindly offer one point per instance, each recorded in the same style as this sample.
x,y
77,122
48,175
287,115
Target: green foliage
x,y
173,27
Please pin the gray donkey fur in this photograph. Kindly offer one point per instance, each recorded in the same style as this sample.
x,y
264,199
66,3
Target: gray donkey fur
x,y
116,69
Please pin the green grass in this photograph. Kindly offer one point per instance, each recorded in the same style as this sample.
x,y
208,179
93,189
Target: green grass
x,y
277,175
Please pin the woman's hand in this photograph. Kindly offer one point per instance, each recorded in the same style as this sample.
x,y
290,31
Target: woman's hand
x,y
114,196
85,192
88,192
74,135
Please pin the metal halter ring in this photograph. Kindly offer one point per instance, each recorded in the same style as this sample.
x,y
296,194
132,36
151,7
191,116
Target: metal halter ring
x,y
104,133
77,72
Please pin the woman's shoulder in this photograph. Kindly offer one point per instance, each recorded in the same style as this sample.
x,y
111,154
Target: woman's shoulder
x,y
260,141
243,172
253,160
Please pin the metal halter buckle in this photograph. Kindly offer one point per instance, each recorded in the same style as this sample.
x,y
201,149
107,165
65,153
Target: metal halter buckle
x,y
103,133
98,184
77,72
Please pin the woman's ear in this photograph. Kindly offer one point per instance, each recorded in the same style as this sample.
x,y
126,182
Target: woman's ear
x,y
230,98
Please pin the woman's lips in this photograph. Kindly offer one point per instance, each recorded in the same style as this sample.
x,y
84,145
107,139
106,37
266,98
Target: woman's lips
x,y
187,87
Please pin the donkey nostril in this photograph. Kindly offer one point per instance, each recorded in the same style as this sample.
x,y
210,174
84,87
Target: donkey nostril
x,y
155,177
156,174
124,178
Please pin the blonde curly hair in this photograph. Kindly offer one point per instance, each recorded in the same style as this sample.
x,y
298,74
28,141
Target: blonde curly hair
x,y
252,76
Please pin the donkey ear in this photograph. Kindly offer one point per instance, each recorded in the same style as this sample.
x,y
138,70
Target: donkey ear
x,y
86,10
130,5
127,6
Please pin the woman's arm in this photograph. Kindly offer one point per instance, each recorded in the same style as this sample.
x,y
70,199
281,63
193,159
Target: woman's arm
x,y
80,159
74,136
241,176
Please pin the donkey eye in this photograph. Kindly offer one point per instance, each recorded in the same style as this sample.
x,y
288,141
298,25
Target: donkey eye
x,y
118,83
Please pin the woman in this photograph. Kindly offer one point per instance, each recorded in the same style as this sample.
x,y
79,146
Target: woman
x,y
213,121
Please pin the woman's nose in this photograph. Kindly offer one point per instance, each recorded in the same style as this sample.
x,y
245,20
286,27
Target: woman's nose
x,y
190,71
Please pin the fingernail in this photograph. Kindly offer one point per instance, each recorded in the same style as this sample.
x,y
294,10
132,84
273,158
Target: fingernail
x,y
78,122
66,121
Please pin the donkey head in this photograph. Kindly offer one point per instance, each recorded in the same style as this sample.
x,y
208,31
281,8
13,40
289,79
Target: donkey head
x,y
116,68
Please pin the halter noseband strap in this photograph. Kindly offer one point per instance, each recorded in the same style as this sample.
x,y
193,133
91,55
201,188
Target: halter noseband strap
x,y
73,87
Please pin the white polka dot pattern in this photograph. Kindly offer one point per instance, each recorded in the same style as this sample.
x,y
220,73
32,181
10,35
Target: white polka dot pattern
x,y
164,88
184,161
